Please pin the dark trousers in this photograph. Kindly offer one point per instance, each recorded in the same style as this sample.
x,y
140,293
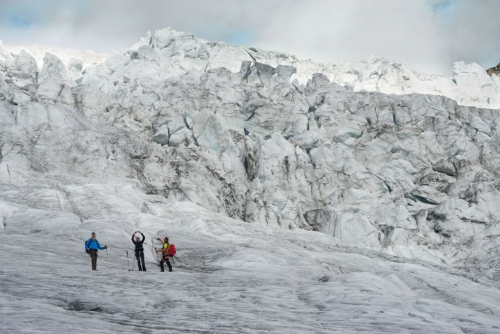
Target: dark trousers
x,y
139,255
165,259
93,256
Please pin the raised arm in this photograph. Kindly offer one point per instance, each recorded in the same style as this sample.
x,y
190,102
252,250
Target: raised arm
x,y
133,238
143,237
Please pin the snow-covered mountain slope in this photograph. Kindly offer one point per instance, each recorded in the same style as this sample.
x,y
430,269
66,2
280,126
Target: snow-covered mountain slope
x,y
260,181
470,85
68,56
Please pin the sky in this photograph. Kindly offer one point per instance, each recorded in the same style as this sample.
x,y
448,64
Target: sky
x,y
425,35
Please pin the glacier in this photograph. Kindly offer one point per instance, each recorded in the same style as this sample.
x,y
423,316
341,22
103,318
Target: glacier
x,y
302,197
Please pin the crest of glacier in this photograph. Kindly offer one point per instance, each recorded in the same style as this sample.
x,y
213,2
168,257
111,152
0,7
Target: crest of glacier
x,y
303,197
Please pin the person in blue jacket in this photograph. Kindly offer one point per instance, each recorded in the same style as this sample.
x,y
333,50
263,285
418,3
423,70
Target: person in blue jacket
x,y
92,246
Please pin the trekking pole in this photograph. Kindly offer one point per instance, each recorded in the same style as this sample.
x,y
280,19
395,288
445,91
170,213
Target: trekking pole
x,y
128,262
155,253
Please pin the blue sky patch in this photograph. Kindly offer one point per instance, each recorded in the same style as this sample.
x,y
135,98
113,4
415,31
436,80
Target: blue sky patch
x,y
17,21
241,38
444,10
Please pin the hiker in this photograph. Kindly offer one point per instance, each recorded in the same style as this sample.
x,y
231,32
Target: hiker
x,y
92,246
164,254
139,250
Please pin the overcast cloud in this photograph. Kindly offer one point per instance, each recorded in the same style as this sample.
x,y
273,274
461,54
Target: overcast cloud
x,y
426,35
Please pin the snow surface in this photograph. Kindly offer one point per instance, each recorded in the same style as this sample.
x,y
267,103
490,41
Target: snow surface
x,y
296,204
229,277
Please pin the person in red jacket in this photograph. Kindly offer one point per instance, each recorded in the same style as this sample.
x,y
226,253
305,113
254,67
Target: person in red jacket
x,y
164,254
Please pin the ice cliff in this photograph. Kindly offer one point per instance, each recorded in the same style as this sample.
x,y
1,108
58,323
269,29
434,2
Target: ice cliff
x,y
369,152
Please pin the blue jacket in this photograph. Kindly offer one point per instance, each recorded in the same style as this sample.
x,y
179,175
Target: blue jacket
x,y
93,244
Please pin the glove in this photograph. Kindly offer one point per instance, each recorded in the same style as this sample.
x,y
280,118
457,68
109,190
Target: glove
x,y
105,246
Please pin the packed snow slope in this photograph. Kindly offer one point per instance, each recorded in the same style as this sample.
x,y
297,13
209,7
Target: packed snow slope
x,y
297,204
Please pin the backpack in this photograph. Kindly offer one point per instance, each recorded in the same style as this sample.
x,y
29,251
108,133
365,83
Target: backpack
x,y
171,250
85,243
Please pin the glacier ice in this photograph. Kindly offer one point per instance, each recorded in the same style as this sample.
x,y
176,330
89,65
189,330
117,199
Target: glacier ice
x,y
181,52
303,197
